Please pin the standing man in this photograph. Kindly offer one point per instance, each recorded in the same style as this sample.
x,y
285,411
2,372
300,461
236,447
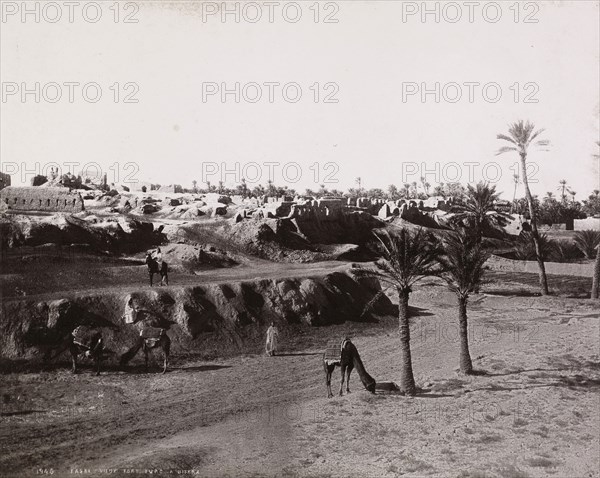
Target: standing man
x,y
158,258
272,335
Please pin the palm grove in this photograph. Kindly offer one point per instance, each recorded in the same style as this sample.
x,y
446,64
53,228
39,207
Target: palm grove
x,y
458,257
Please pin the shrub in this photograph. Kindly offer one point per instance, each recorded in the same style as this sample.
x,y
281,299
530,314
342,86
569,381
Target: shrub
x,y
525,247
564,251
587,241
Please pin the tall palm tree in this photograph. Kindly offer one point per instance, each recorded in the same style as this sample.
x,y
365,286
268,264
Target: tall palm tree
x,y
406,257
478,208
463,267
521,136
596,277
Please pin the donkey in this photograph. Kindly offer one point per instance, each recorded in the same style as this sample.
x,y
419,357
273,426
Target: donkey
x,y
150,338
153,268
85,341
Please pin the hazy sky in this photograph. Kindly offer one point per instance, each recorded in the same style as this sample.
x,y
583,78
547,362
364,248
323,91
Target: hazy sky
x,y
376,52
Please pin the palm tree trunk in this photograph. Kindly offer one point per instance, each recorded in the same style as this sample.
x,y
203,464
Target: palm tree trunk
x,y
596,279
466,366
534,230
407,381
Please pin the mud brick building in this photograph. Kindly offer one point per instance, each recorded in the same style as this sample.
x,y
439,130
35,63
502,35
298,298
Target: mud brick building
x,y
4,180
41,199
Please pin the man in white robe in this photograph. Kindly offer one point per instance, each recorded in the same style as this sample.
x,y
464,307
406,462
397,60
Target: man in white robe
x,y
272,335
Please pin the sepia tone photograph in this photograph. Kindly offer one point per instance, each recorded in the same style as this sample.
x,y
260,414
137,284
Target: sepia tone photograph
x,y
300,239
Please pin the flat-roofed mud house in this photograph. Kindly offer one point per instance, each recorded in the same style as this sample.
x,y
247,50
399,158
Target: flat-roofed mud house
x,y
41,199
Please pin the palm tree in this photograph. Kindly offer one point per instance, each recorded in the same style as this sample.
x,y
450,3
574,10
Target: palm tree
x,y
463,267
562,187
516,181
596,277
479,208
406,257
358,182
521,135
572,193
195,186
406,190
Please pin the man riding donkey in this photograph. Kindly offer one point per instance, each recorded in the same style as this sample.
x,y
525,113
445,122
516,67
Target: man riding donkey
x,y
156,265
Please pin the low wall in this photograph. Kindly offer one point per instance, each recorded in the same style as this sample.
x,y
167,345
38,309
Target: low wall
x,y
41,199
587,223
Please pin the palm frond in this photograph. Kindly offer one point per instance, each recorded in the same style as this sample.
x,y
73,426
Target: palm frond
x,y
506,138
505,149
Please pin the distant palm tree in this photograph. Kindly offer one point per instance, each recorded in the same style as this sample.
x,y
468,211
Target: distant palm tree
x,y
521,135
463,267
572,193
195,186
549,195
478,209
516,183
406,190
562,187
406,258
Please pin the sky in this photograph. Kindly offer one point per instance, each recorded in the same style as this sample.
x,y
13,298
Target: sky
x,y
327,91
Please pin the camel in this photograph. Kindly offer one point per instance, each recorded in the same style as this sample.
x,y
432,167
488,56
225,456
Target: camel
x,y
83,340
153,268
150,338
347,358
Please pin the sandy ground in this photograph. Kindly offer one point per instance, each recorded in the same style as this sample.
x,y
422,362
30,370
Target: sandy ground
x,y
534,411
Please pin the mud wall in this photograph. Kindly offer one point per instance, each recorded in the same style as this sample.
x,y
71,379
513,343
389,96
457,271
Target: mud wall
x,y
41,199
227,317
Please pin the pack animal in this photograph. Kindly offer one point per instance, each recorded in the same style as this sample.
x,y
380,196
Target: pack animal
x,y
347,358
85,341
154,268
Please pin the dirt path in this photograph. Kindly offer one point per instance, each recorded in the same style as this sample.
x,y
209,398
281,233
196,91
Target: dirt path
x,y
534,414
128,282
